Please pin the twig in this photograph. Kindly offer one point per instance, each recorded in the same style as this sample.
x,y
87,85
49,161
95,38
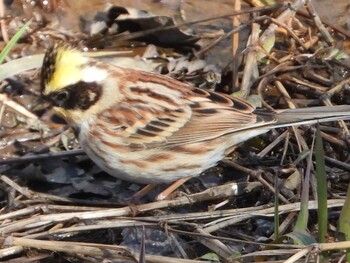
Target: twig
x,y
285,94
4,33
221,38
282,18
327,36
41,157
340,30
11,251
257,175
331,139
269,147
235,44
336,163
250,72
91,249
215,245
17,107
18,188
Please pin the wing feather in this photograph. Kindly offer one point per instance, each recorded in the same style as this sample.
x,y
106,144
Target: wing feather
x,y
196,116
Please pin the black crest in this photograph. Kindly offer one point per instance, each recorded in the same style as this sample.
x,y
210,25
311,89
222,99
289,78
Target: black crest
x,y
48,67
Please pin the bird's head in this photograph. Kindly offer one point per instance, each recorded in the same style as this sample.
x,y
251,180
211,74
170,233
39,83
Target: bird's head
x,y
71,81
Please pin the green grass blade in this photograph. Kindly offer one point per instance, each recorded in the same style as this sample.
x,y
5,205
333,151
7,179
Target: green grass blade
x,y
303,217
13,41
321,180
301,238
344,221
276,212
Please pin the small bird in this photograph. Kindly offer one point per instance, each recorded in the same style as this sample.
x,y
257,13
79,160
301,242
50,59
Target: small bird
x,y
149,128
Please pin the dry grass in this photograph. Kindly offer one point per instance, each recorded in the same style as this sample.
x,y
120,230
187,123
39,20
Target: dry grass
x,y
62,208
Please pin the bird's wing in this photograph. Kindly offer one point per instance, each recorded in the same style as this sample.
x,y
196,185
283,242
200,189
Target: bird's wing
x,y
214,115
159,118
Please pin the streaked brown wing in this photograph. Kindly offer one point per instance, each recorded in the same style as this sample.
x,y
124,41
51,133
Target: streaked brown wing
x,y
216,115
199,116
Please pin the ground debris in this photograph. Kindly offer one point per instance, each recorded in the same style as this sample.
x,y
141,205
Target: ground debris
x,y
54,199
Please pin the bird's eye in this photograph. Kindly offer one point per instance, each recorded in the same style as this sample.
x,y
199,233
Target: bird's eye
x,y
62,96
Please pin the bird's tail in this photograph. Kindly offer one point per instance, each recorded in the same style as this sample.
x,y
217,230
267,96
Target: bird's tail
x,y
311,115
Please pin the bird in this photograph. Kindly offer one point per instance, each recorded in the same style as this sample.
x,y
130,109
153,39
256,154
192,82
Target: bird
x,y
145,127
